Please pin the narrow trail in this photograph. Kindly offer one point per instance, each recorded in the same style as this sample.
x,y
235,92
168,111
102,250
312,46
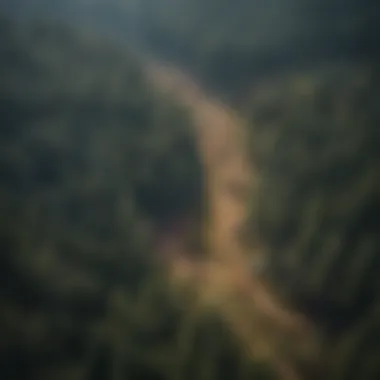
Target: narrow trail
x,y
224,279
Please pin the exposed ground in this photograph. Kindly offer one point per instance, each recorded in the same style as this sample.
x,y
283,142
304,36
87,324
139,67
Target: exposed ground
x,y
224,279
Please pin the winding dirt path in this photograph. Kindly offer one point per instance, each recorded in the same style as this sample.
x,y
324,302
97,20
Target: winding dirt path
x,y
224,279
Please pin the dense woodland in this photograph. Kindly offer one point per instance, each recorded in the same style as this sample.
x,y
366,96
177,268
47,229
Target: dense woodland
x,y
305,73
315,138
92,162
230,45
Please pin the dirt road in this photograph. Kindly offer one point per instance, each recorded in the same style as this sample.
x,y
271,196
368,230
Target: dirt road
x,y
225,280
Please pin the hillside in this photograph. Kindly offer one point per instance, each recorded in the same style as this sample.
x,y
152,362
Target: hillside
x,y
102,185
314,138
286,175
92,162
231,45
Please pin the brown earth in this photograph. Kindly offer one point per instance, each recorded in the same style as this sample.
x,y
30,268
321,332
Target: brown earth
x,y
223,279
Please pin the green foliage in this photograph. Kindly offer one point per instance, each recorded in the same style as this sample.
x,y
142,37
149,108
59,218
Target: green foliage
x,y
79,128
316,138
76,182
232,44
92,163
229,44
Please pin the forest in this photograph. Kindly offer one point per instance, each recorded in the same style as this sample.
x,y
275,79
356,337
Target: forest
x,y
316,141
94,163
232,45
229,45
